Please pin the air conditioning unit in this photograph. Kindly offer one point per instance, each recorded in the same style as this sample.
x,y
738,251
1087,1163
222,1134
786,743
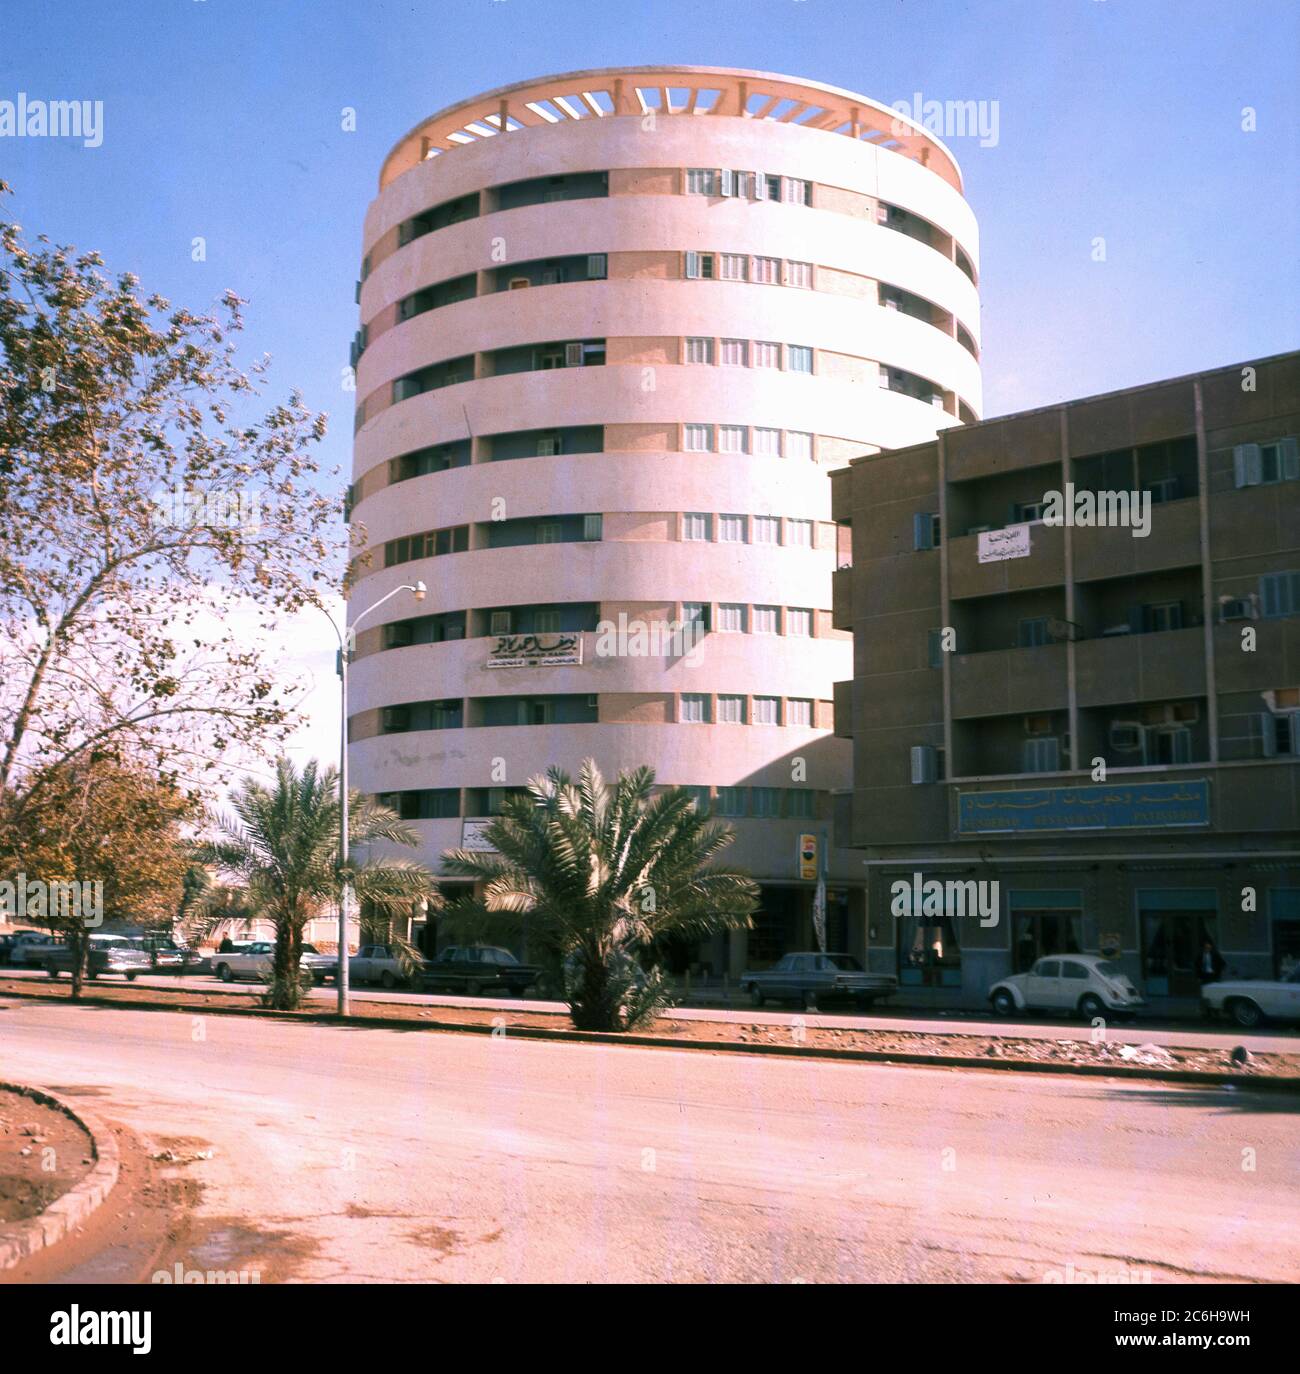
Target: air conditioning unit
x,y
396,717
548,446
890,303
1237,608
573,355
519,283
499,622
1126,736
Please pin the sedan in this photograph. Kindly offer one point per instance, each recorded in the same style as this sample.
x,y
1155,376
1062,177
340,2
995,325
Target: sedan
x,y
1250,1002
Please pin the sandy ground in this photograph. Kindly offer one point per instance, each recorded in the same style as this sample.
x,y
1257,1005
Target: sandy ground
x,y
316,1153
43,1153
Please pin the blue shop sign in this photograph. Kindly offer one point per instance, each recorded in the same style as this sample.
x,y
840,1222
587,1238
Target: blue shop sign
x,y
1107,806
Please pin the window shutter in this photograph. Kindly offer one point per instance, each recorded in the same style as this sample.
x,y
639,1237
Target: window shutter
x,y
924,764
923,530
728,178
1247,465
595,266
693,270
1289,459
760,185
1268,734
573,355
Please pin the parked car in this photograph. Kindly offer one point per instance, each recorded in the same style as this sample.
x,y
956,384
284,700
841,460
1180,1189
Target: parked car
x,y
473,969
377,964
109,954
1084,983
6,944
28,948
811,978
165,955
254,960
1252,1001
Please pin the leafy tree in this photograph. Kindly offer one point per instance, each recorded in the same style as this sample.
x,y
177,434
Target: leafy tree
x,y
596,872
158,524
280,850
104,818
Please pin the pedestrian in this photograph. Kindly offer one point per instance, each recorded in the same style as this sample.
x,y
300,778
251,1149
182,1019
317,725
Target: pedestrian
x,y
1210,965
226,945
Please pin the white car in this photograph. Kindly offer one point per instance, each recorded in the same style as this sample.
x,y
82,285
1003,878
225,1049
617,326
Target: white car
x,y
1251,1001
375,964
255,960
30,948
1082,983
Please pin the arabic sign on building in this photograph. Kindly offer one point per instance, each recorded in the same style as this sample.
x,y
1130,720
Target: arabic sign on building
x,y
1111,806
808,856
535,651
472,837
995,546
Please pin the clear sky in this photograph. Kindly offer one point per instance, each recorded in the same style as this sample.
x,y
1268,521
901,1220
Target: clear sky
x,y
1117,119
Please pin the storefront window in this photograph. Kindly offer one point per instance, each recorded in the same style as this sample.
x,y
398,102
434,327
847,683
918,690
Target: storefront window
x,y
1175,924
1284,914
928,952
1035,933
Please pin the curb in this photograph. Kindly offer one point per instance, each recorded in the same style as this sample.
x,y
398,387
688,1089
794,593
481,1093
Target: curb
x,y
21,1239
1183,1077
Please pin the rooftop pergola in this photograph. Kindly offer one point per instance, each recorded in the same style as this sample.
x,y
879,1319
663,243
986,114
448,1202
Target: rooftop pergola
x,y
668,91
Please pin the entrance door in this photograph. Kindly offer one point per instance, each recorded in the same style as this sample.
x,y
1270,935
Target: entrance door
x,y
1171,942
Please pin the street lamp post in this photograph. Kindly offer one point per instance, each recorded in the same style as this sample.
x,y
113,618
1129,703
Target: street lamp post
x,y
346,643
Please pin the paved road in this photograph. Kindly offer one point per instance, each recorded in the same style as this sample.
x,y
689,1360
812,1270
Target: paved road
x,y
381,1155
1279,1039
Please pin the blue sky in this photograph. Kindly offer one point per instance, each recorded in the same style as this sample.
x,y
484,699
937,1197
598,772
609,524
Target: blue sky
x,y
1119,119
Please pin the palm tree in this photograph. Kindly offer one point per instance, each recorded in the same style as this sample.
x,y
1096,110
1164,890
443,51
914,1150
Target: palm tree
x,y
280,848
597,873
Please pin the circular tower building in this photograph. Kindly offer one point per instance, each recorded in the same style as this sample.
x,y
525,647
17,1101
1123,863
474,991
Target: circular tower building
x,y
617,327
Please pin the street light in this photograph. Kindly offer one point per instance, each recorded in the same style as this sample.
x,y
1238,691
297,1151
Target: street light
x,y
345,649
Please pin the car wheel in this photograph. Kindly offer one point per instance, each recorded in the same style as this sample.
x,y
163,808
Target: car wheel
x,y
1246,1013
131,977
520,992
864,1004
1003,1002
386,980
225,974
1091,1006
756,998
52,970
473,988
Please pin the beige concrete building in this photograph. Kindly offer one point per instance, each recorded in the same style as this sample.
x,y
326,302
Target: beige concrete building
x,y
617,327
1102,720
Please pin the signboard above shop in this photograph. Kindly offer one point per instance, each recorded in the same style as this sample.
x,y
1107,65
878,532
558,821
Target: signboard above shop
x,y
535,651
996,546
1107,806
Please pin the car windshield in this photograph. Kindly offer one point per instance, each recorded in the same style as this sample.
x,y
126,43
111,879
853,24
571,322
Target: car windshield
x,y
310,949
845,962
499,956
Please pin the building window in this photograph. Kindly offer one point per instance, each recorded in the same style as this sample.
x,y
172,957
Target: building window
x,y
767,711
735,352
731,619
766,271
766,354
798,711
695,613
546,622
1041,755
799,358
731,529
731,438
772,187
701,181
697,438
731,710
597,266
695,708
699,351
593,527
733,266
765,801
927,764
798,274
925,530
731,801
1032,633
699,266
799,533
1279,595
1280,733
798,622
767,443
697,526
548,532
799,803
798,192
699,797
1260,464
767,621
767,529
798,445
